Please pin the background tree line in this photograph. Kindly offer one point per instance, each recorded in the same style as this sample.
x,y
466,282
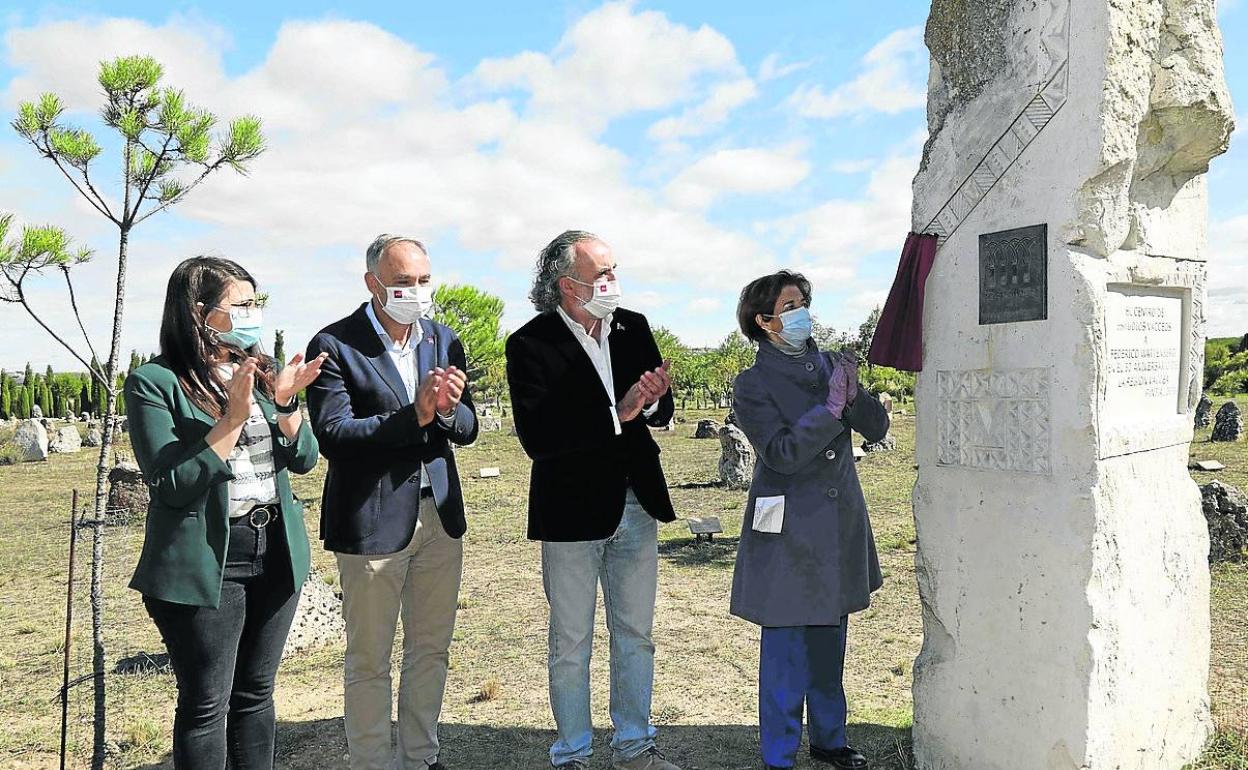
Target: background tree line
x,y
1226,365
57,394
701,376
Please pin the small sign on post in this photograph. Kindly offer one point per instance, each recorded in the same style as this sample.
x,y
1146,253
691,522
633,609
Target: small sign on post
x,y
705,527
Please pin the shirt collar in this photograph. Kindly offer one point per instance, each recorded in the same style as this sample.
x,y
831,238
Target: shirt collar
x,y
604,327
413,337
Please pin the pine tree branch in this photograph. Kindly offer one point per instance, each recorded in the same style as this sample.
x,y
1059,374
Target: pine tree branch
x,y
177,198
147,183
73,303
96,201
21,298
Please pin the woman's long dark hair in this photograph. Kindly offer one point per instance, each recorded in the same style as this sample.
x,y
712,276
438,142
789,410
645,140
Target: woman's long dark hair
x,y
189,347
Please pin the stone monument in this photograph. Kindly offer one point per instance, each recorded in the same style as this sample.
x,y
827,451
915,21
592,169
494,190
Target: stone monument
x,y
736,458
1061,553
1229,424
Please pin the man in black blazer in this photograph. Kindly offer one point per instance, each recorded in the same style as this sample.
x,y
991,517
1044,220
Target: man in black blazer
x,y
586,384
391,400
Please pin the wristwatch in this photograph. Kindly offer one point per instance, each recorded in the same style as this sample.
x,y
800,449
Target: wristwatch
x,y
290,408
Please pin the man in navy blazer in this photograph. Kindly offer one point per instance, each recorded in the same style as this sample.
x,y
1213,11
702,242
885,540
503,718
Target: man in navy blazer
x,y
391,400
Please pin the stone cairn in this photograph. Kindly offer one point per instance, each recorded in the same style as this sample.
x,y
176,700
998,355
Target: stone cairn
x,y
318,618
1226,512
1229,424
886,444
67,441
706,429
127,494
736,460
1203,410
32,441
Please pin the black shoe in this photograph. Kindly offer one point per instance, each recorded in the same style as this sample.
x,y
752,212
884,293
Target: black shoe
x,y
773,767
844,758
438,766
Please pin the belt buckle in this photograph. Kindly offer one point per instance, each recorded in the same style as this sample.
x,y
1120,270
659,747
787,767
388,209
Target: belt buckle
x,y
261,516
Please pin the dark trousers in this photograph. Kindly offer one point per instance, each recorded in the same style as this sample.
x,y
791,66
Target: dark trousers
x,y
801,665
225,659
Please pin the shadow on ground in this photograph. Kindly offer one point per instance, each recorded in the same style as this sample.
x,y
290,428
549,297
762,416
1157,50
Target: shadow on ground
x,y
687,552
321,745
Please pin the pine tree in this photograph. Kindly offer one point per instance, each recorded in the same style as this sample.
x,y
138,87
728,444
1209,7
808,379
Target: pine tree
x,y
29,376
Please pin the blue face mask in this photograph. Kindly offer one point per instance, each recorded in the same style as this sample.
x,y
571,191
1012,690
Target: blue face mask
x,y
247,326
797,328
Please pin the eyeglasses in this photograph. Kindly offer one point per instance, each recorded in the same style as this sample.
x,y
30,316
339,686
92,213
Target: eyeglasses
x,y
799,306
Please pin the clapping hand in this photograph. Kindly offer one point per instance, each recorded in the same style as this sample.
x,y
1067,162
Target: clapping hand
x,y
427,396
450,390
238,395
650,388
849,368
838,387
297,375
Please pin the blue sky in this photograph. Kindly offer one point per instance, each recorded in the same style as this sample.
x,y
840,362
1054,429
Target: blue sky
x,y
709,142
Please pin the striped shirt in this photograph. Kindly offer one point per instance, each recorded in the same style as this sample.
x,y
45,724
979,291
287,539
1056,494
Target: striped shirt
x,y
251,462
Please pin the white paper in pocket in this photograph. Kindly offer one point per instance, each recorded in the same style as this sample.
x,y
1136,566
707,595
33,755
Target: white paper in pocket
x,y
769,514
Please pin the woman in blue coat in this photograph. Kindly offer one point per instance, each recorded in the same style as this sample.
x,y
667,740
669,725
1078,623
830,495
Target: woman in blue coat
x,y
807,558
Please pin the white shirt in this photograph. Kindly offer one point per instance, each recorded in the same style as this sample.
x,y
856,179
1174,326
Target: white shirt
x,y
599,352
251,462
403,355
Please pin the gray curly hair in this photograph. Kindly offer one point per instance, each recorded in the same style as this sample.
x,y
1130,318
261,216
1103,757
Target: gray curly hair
x,y
554,262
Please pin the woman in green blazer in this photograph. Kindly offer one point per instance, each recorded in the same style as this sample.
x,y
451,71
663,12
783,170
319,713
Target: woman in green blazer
x,y
216,431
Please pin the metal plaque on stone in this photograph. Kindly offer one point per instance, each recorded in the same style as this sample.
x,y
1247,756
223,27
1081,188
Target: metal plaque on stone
x,y
1014,275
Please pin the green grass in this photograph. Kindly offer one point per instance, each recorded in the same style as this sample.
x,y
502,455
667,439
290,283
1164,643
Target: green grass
x,y
705,693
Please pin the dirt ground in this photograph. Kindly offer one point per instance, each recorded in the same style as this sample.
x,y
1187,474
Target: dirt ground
x,y
496,712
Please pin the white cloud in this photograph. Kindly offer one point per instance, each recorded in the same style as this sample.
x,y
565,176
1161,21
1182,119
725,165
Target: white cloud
x,y
1226,310
710,114
892,80
705,305
772,69
854,166
833,237
614,61
737,171
65,55
366,134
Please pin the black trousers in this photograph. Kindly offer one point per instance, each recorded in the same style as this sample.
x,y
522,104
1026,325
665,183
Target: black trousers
x,y
225,659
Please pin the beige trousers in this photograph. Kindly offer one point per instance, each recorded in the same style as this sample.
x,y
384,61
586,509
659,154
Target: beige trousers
x,y
420,584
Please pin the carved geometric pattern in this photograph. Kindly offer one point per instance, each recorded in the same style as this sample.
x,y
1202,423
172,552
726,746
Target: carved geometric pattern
x,y
1037,114
994,419
1196,354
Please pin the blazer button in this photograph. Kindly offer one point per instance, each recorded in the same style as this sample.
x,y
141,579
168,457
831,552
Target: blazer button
x,y
414,479
832,493
810,367
830,454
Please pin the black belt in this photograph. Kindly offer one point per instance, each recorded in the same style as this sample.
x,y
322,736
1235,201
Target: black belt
x,y
261,516
426,492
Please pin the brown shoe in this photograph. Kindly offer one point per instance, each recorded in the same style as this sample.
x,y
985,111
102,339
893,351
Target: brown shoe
x,y
650,759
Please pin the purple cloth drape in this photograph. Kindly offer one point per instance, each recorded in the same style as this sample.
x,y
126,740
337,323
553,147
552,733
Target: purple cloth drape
x,y
898,340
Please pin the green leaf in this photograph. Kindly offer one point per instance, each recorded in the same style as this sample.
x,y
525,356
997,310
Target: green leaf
x,y
129,75
168,189
245,143
75,146
27,121
194,136
49,110
174,111
131,124
142,164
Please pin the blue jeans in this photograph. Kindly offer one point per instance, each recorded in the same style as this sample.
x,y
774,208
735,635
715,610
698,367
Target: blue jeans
x,y
801,665
627,563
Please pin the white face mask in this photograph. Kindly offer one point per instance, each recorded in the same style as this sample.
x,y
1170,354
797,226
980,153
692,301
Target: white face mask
x,y
605,299
408,304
